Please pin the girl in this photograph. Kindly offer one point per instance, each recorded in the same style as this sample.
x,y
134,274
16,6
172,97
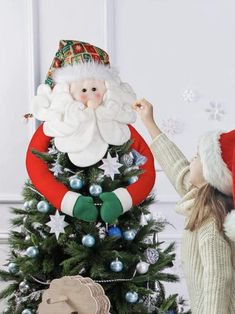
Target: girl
x,y
205,185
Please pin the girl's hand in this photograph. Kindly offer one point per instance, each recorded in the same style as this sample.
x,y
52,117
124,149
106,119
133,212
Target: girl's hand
x,y
145,111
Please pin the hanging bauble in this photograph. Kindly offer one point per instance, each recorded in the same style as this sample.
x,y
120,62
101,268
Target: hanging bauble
x,y
149,216
116,266
143,220
127,160
24,287
142,267
76,183
131,296
139,159
32,251
115,232
43,207
95,189
26,205
151,255
27,238
88,240
100,177
26,311
13,268
133,179
32,203
130,234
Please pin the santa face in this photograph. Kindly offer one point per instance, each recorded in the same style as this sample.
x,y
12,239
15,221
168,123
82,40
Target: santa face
x,y
85,116
90,92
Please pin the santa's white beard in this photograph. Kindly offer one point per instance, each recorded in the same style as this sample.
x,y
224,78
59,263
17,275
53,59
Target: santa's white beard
x,y
86,133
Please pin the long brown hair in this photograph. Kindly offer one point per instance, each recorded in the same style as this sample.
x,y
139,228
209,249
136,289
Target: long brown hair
x,y
209,202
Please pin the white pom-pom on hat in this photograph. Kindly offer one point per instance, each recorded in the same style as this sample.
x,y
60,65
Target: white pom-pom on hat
x,y
229,225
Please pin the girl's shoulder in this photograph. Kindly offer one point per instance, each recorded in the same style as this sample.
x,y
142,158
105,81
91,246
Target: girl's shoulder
x,y
210,232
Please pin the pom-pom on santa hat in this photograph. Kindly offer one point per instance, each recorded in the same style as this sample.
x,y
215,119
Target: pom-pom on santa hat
x,y
217,153
76,60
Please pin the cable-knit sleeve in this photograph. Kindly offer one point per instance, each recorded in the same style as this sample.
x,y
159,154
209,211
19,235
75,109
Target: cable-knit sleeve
x,y
173,163
216,258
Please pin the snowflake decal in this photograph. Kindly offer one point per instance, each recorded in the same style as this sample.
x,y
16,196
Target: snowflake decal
x,y
190,95
172,126
215,111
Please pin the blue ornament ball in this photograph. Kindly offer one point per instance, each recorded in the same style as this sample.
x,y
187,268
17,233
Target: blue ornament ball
x,y
131,297
26,311
76,183
133,179
26,205
43,207
32,251
115,232
129,235
88,240
95,189
116,266
13,268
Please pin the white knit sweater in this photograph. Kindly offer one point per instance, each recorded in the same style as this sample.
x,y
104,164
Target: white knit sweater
x,y
208,259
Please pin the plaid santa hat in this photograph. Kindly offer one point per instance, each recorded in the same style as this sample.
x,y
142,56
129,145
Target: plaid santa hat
x,y
217,153
76,60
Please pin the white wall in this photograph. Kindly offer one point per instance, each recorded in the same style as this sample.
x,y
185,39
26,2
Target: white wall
x,y
162,48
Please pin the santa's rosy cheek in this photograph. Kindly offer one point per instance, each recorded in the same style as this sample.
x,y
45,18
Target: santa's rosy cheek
x,y
98,95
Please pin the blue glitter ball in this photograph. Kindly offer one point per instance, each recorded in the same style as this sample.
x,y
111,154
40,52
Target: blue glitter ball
x,y
95,189
129,235
76,183
115,232
116,266
43,207
13,268
131,297
32,251
88,240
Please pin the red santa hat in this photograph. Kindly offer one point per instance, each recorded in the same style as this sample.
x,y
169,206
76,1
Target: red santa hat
x,y
76,60
217,153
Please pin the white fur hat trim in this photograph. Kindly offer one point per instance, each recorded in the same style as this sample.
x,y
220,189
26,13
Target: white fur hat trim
x,y
215,170
229,225
80,71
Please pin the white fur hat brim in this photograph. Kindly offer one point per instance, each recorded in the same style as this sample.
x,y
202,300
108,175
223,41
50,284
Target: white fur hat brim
x,y
215,170
86,70
229,225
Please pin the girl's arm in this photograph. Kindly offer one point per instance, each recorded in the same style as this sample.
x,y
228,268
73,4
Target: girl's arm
x,y
171,159
215,254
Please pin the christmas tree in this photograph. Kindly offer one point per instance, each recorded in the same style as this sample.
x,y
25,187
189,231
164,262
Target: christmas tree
x,y
126,258
86,209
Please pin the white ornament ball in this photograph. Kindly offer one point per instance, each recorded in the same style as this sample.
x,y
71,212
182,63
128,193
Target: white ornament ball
x,y
23,287
142,268
26,311
26,205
